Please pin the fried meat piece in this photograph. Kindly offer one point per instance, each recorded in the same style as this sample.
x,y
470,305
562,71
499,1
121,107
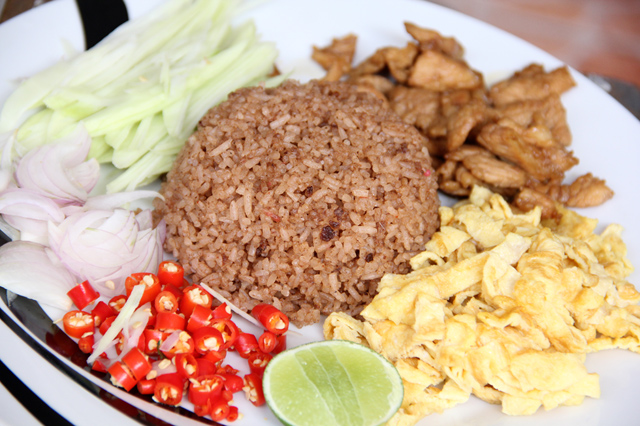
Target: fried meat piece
x,y
374,64
542,159
437,63
376,84
494,172
432,40
511,138
434,70
549,111
447,173
446,118
416,106
467,151
473,165
586,191
463,121
531,83
461,182
397,61
527,199
337,57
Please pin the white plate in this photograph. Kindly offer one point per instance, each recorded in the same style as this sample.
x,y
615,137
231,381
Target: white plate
x,y
606,140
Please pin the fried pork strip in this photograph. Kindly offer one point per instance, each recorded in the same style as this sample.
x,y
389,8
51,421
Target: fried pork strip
x,y
512,137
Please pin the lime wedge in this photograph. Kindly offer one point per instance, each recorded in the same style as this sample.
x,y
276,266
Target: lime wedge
x,y
332,382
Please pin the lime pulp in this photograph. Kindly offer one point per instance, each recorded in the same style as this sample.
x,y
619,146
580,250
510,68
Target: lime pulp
x,y
332,382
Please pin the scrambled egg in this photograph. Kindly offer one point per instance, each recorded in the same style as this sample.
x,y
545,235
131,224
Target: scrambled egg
x,y
503,306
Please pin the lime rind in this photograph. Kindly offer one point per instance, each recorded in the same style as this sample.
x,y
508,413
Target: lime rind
x,y
332,382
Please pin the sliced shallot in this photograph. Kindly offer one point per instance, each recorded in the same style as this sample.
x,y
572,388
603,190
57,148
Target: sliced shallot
x,y
32,271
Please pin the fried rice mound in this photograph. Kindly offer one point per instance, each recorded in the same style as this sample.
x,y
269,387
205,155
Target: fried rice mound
x,y
302,196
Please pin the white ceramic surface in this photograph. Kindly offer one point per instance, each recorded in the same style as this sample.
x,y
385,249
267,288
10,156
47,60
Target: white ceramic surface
x,y
606,140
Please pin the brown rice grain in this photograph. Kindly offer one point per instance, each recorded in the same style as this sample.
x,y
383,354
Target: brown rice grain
x,y
302,196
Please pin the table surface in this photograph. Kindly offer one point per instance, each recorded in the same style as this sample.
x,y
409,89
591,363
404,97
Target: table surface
x,y
592,36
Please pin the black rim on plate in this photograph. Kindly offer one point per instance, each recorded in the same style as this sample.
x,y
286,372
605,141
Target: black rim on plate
x,y
32,317
99,18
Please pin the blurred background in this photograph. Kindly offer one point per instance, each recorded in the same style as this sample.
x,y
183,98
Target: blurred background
x,y
592,36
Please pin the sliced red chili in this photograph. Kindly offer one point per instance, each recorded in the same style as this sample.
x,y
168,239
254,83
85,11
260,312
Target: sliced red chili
x,y
106,324
227,369
175,290
207,339
184,345
117,302
271,318
151,282
202,410
141,342
206,367
205,388
122,376
170,272
187,365
101,312
253,389
152,340
85,343
258,362
137,362
229,330
281,344
233,414
169,321
83,294
169,389
200,317
194,295
99,366
120,343
227,395
77,323
222,311
246,344
146,386
165,301
216,356
151,323
232,382
267,342
219,409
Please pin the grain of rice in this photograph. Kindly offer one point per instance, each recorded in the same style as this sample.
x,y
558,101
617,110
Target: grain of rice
x,y
312,164
372,276
221,148
302,196
280,121
364,229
